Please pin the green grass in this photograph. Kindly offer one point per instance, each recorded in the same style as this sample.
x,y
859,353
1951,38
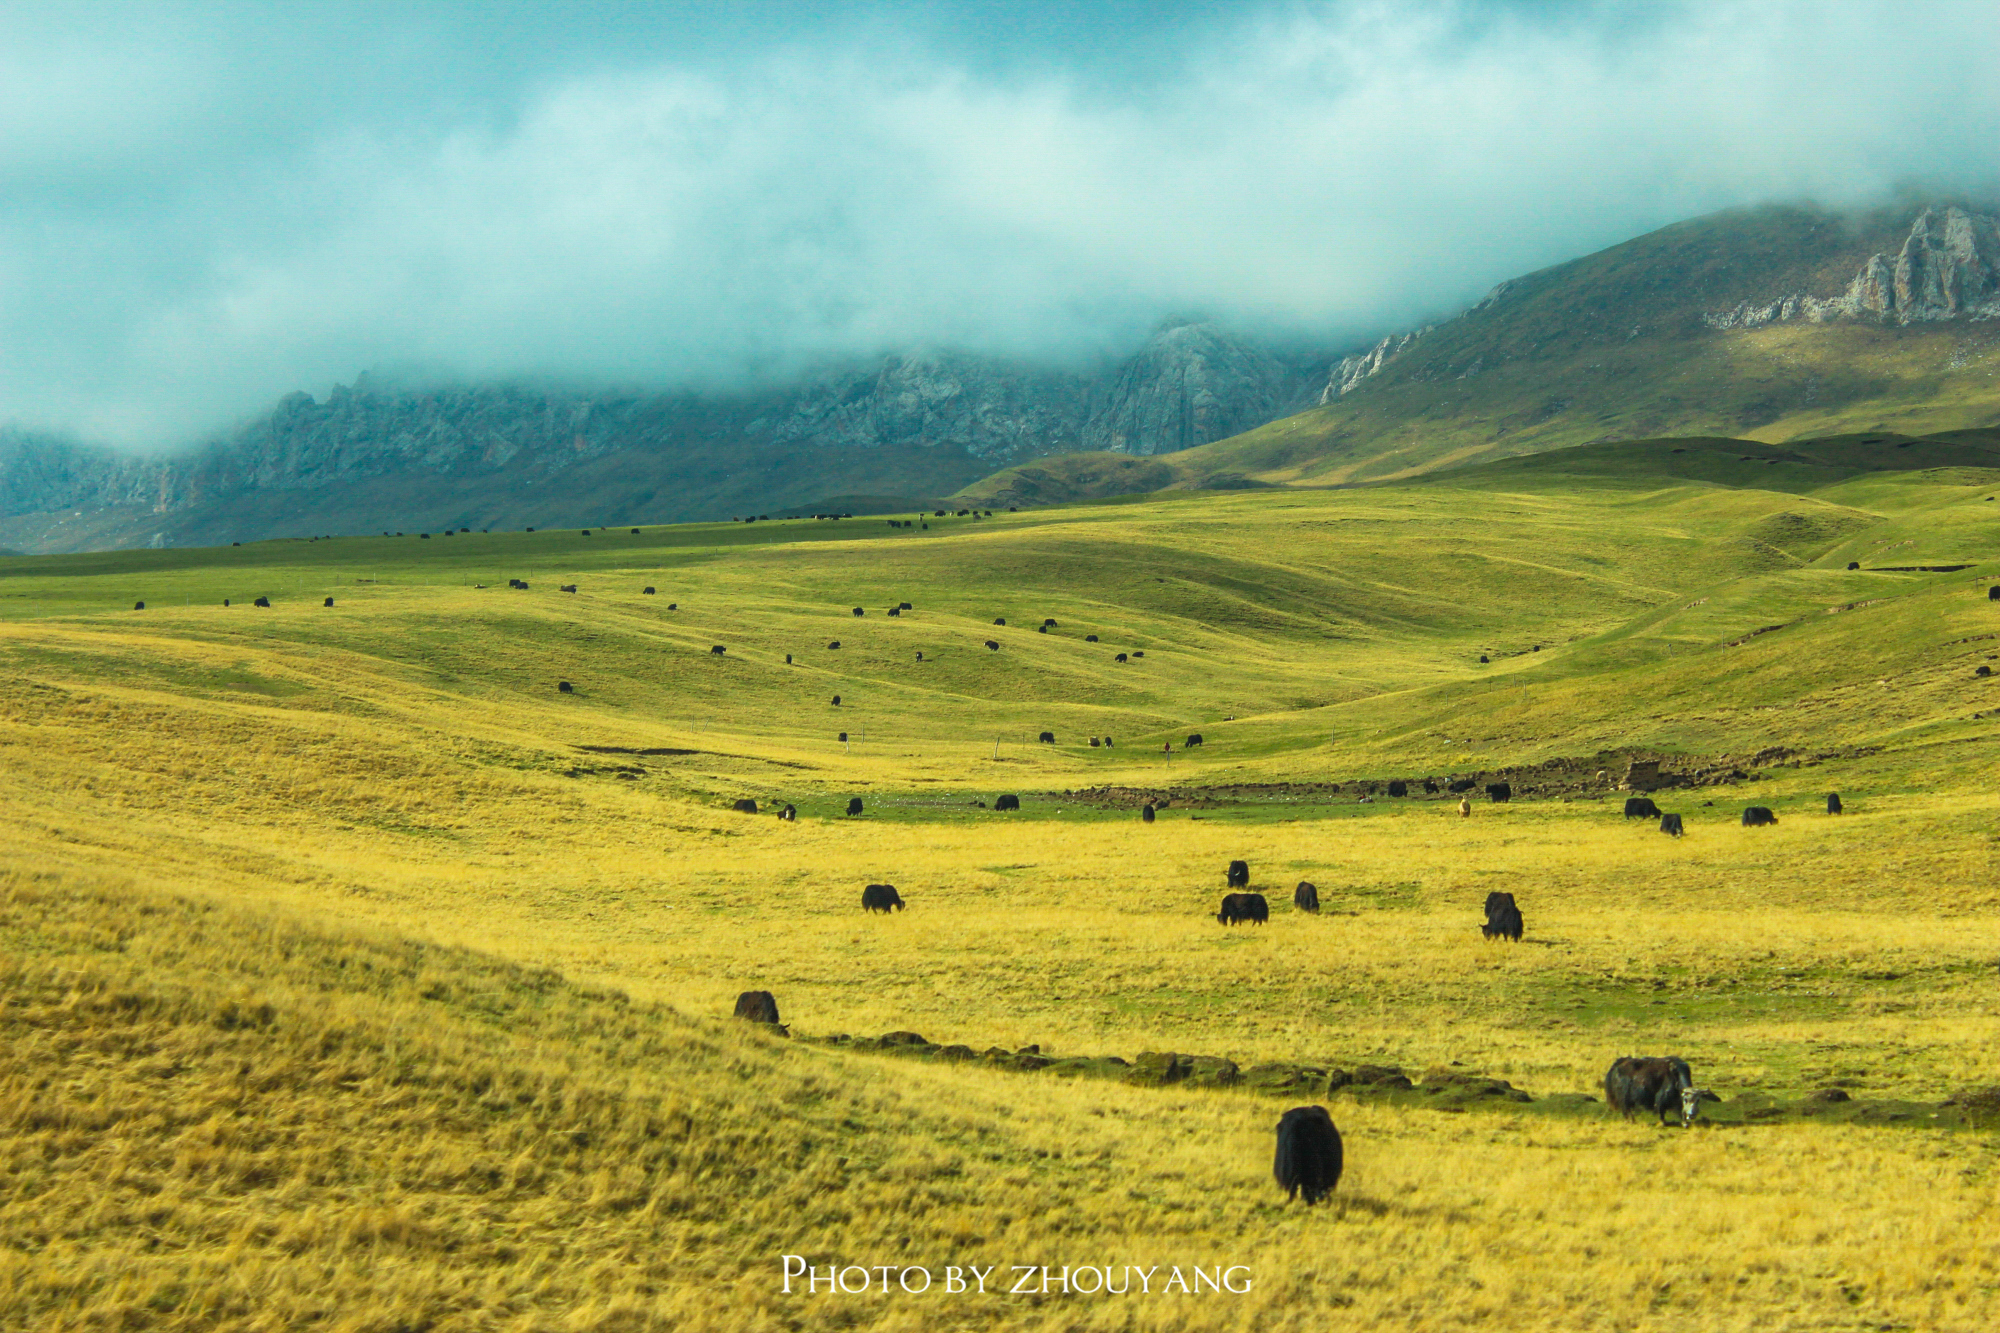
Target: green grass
x,y
382,821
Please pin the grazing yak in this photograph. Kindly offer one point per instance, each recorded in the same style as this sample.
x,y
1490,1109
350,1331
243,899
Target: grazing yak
x,y
1757,815
789,814
1309,1157
992,647
1503,918
651,591
1833,806
1047,738
757,1006
836,701
718,650
1239,874
1194,739
1146,814
1993,593
1659,1084
904,606
1243,907
1007,802
1398,787
1119,658
141,606
328,602
1499,791
567,587
854,805
858,611
881,898
1001,621
1306,896
746,806
1671,825
842,738
261,601
1090,638
1430,787
835,643
1048,624
1641,807
564,687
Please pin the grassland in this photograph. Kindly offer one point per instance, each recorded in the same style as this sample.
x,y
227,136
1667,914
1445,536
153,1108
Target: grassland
x,y
358,979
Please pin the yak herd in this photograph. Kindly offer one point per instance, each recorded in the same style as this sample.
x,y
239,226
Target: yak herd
x,y
1309,1157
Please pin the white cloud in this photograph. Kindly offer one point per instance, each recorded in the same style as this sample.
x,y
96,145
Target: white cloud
x,y
1329,172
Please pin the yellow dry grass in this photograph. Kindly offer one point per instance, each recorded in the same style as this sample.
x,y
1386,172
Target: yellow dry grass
x,y
343,991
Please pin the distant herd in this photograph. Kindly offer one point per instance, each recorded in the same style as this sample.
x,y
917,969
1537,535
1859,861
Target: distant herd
x,y
1308,1161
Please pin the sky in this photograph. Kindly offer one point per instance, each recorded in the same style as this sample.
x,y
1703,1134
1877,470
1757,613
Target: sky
x,y
206,206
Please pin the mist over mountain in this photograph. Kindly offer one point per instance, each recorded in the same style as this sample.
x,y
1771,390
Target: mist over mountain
x,y
207,208
901,430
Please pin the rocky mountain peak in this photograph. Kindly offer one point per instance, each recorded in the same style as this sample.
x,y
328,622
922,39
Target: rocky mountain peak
x,y
1948,268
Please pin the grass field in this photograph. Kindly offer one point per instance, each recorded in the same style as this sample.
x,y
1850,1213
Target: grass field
x,y
359,979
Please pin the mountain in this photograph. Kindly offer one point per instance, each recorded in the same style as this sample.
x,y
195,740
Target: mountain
x,y
903,429
1772,324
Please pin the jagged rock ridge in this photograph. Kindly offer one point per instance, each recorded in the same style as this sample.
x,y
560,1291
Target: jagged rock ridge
x,y
1948,268
916,425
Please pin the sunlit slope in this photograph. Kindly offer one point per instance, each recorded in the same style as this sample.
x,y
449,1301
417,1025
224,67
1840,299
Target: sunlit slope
x,y
1329,625
223,1118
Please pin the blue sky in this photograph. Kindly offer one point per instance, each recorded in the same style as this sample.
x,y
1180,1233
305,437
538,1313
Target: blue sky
x,y
203,206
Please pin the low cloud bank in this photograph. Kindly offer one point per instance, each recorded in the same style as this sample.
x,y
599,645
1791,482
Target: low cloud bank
x,y
193,229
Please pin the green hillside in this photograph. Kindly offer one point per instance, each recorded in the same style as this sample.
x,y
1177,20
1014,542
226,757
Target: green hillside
x,y
359,978
1610,346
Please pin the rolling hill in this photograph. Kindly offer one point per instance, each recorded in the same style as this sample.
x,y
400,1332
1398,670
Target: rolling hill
x,y
359,977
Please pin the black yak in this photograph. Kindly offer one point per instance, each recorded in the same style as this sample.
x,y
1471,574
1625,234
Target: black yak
x,y
1659,1084
1833,806
746,806
1671,825
992,646
1399,788
1309,1156
718,650
1243,907
881,898
757,1006
1503,918
1239,874
1194,739
1007,802
1756,815
1146,814
1499,791
564,687
854,805
1306,897
1641,807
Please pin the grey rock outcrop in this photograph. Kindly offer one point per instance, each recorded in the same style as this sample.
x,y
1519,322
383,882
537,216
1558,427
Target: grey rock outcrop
x,y
377,455
1948,268
1189,385
1350,371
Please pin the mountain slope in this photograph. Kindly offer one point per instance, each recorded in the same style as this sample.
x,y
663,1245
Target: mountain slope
x,y
377,457
1771,324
